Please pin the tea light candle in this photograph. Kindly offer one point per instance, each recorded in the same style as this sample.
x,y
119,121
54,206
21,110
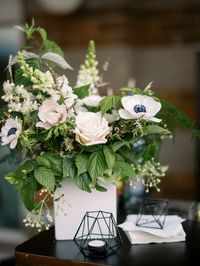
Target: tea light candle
x,y
97,246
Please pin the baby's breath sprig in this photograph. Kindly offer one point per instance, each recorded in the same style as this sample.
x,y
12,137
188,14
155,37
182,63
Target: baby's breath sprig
x,y
151,173
40,217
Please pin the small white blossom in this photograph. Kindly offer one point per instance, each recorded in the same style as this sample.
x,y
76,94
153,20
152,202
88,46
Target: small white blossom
x,y
114,116
92,100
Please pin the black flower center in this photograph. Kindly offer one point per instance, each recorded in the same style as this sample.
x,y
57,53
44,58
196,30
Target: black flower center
x,y
139,108
11,131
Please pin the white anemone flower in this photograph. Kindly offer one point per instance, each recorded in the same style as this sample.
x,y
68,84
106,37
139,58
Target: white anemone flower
x,y
140,107
10,132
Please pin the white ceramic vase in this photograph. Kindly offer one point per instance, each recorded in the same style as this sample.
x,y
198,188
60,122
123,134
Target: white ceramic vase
x,y
71,204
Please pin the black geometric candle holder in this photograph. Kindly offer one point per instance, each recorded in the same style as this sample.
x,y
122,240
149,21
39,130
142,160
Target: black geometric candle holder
x,y
152,213
98,235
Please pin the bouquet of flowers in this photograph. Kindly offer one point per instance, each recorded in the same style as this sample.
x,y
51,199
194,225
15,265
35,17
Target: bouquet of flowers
x,y
65,131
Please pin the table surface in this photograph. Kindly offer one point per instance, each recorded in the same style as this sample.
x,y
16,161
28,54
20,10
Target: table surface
x,y
43,249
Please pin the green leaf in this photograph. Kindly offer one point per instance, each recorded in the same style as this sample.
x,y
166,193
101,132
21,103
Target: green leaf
x,y
26,168
51,161
27,192
93,109
69,168
151,151
91,148
43,34
57,59
96,164
45,177
154,129
81,163
124,169
133,90
110,156
83,181
82,91
127,154
51,46
11,178
109,102
117,145
100,188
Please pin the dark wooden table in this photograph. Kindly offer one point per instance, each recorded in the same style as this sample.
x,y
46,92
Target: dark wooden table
x,y
42,249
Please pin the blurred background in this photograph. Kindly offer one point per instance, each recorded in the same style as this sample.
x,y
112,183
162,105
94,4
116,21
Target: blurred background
x,y
144,41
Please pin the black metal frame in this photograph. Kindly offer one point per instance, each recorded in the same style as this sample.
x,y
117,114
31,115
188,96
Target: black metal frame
x,y
98,225
155,210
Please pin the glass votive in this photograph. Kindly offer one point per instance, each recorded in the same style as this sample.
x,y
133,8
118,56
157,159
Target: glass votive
x,y
152,213
97,246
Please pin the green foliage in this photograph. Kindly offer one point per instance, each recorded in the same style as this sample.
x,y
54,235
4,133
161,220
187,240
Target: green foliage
x,y
97,165
50,46
81,162
82,91
45,177
110,156
100,188
154,129
46,45
27,192
124,169
109,103
52,162
176,118
11,178
69,168
83,182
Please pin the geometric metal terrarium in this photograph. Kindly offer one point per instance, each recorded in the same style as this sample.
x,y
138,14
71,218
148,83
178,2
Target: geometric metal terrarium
x,y
98,235
152,213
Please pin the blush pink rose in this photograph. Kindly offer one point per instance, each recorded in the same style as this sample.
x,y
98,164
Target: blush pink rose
x,y
51,114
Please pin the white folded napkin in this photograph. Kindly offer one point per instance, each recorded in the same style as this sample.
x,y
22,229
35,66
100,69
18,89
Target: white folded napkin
x,y
172,230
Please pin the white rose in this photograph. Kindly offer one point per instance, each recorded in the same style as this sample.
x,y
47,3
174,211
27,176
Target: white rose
x,y
140,107
91,128
51,113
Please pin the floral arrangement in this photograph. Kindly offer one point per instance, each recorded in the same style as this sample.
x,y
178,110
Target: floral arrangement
x,y
65,131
